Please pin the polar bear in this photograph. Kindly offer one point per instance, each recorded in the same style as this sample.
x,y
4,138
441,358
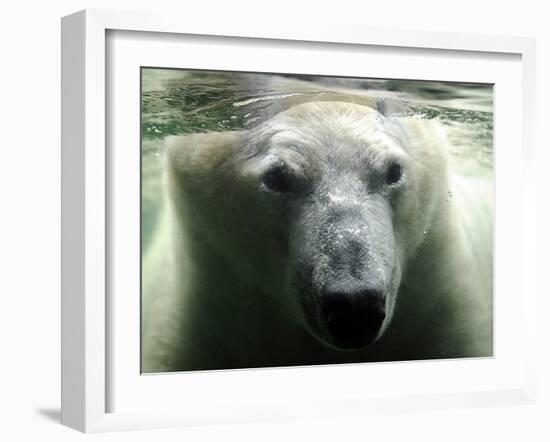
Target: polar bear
x,y
329,233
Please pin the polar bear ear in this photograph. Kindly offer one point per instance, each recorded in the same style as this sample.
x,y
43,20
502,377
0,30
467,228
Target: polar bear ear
x,y
201,154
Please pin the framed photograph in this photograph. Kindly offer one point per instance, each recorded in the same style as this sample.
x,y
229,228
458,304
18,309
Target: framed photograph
x,y
264,224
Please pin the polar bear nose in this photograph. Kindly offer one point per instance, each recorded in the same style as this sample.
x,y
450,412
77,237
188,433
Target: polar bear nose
x,y
353,316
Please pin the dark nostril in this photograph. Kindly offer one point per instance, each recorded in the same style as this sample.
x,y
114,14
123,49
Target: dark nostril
x,y
353,317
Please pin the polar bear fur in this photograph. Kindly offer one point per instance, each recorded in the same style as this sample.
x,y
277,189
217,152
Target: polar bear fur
x,y
236,270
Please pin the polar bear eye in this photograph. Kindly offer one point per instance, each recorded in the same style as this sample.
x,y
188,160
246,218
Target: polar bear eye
x,y
277,178
394,174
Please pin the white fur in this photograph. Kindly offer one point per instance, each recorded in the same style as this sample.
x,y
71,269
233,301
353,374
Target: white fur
x,y
216,279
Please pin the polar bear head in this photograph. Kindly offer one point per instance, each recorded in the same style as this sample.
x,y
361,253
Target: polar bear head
x,y
321,207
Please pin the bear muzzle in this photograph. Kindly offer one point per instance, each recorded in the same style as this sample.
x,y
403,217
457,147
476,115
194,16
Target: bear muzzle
x,y
353,314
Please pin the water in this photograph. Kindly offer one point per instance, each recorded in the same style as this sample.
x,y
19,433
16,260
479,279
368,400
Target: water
x,y
180,102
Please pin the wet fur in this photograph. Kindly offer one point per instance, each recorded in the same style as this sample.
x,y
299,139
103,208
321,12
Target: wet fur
x,y
220,286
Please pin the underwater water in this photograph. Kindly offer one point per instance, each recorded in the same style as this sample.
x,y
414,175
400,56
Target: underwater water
x,y
182,101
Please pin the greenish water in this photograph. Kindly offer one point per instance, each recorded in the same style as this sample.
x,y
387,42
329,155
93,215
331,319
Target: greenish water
x,y
180,102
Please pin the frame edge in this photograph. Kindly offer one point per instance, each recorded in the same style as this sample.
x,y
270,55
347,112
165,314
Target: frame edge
x,y
83,198
73,80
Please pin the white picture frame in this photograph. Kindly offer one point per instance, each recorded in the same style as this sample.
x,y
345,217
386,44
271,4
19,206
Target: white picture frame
x,y
87,203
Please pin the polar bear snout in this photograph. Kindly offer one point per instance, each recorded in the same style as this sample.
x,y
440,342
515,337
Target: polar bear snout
x,y
353,315
348,269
